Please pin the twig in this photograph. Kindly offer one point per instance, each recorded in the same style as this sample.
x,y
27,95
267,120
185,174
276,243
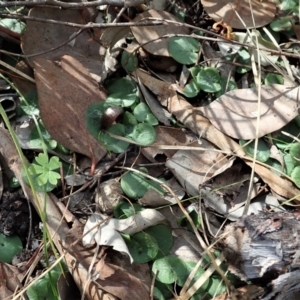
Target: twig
x,y
83,26
222,39
78,5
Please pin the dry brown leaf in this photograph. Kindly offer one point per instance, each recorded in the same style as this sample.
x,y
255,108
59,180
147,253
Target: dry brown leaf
x,y
159,112
113,272
64,94
146,34
297,31
192,119
193,168
227,10
235,113
41,37
10,278
161,89
166,136
21,83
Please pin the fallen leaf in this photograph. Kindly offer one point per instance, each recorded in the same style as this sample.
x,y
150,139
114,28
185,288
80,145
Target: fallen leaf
x,y
23,84
104,234
154,199
110,271
10,277
40,37
64,94
124,280
235,113
193,119
186,245
108,230
146,34
160,113
229,10
192,168
161,89
166,136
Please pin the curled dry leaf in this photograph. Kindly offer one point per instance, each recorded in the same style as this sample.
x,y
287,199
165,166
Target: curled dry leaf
x,y
192,168
235,113
108,230
145,34
229,10
64,94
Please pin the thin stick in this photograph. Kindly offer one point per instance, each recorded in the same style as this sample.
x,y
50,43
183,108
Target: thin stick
x,y
127,3
152,22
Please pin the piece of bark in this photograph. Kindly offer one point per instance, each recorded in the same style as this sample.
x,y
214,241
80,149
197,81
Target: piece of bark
x,y
285,287
263,246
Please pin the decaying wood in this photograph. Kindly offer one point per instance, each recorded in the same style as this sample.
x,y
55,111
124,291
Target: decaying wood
x,y
285,287
264,247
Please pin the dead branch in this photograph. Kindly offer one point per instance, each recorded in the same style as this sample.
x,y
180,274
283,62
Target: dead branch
x,y
75,5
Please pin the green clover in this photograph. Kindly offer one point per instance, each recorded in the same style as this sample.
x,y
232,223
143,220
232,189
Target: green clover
x,y
45,173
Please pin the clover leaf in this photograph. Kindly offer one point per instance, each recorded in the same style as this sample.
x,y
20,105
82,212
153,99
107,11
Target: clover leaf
x,y
45,173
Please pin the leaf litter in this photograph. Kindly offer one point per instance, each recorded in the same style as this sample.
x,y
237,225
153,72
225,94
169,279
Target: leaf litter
x,y
203,146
